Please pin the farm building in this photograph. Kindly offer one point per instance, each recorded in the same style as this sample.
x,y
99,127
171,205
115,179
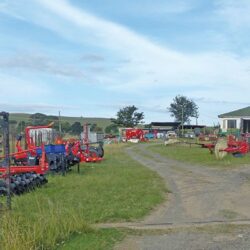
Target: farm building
x,y
165,126
236,120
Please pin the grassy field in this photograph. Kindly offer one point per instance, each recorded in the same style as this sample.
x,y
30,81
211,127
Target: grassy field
x,y
197,155
60,213
101,122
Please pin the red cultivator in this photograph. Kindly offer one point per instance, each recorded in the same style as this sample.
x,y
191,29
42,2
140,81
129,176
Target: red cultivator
x,y
237,147
23,178
19,179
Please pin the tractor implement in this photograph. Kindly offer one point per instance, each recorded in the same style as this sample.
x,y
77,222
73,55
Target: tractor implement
x,y
236,147
16,179
82,150
24,178
133,135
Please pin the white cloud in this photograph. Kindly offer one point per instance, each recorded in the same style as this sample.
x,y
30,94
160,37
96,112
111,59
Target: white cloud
x,y
169,66
150,66
40,63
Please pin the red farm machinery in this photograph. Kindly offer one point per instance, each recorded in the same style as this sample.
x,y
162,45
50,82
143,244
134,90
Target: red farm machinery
x,y
44,152
17,179
221,146
236,146
134,135
61,154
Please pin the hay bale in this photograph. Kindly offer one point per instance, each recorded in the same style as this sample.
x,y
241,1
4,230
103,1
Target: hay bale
x,y
220,145
171,141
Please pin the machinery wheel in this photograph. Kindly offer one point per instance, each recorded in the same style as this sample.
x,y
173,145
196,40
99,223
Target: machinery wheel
x,y
100,151
220,145
96,151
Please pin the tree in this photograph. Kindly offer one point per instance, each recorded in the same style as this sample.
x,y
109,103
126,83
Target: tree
x,y
95,128
42,119
183,108
21,126
111,129
128,117
65,127
76,128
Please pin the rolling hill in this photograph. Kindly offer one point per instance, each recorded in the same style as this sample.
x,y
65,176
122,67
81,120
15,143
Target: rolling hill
x,y
101,122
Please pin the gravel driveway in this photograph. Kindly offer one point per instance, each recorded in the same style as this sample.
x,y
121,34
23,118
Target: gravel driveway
x,y
200,197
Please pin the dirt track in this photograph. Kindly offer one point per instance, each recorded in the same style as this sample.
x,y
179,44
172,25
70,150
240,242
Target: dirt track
x,y
199,196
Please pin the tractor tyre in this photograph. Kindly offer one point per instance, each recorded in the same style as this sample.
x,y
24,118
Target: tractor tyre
x,y
100,151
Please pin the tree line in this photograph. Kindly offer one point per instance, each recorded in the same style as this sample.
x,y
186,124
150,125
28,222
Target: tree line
x,y
181,108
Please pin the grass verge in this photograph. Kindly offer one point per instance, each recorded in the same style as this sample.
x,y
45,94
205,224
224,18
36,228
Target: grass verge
x,y
197,155
118,189
101,239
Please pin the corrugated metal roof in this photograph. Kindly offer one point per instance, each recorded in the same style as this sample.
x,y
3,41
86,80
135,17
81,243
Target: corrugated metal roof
x,y
237,113
165,124
175,124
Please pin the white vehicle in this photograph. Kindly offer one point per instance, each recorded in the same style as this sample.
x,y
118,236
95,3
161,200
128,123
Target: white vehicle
x,y
189,135
171,134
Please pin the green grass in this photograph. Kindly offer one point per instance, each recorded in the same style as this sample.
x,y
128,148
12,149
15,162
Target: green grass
x,y
102,239
197,155
118,189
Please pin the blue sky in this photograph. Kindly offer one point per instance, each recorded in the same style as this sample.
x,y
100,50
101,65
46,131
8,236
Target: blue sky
x,y
91,58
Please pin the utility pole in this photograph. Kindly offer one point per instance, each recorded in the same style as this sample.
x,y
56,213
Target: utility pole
x,y
60,125
6,143
182,120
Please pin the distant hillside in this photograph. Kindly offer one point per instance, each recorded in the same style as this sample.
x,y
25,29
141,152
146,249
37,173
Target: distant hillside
x,y
101,122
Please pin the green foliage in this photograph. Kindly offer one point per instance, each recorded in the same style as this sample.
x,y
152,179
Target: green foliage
x,y
111,129
128,117
183,108
101,122
42,119
37,116
65,127
76,128
21,126
95,128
